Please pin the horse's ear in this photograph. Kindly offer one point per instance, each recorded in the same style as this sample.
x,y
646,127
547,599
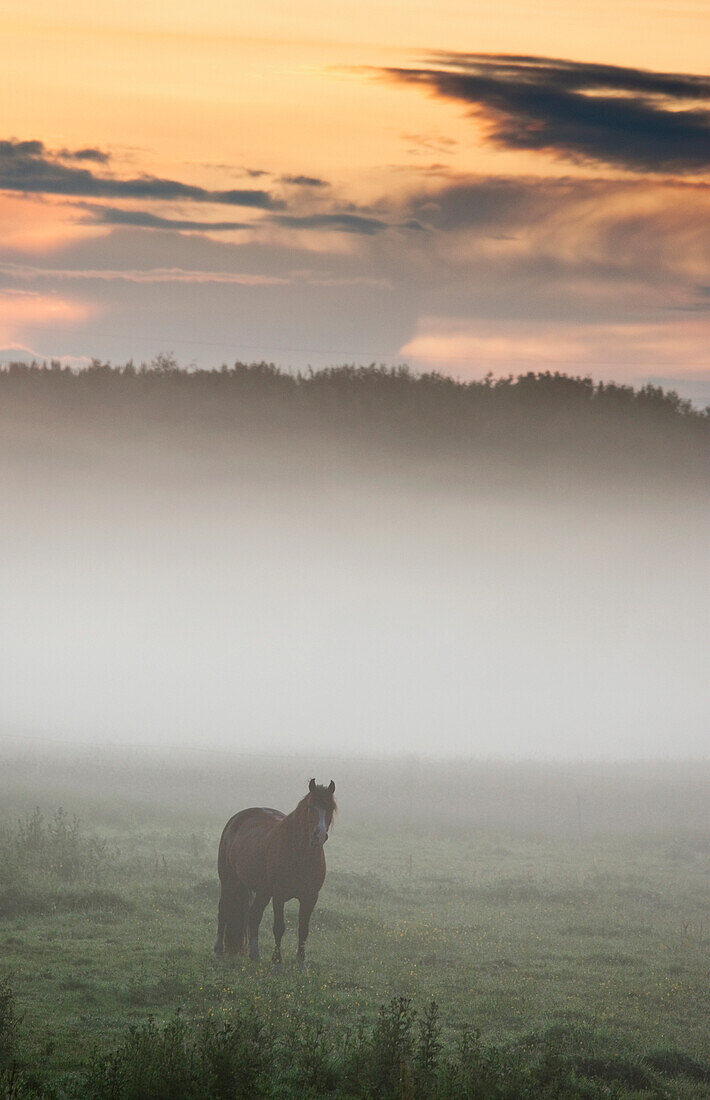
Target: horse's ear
x,y
331,786
312,785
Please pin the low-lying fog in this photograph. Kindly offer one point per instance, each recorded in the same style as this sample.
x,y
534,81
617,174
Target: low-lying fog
x,y
352,617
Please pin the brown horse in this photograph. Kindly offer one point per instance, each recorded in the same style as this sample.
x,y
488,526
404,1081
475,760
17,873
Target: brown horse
x,y
265,854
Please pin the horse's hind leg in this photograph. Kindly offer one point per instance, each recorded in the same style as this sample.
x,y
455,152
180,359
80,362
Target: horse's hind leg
x,y
222,915
221,921
279,929
233,911
256,912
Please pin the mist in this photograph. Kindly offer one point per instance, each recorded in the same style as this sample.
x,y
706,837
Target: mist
x,y
282,598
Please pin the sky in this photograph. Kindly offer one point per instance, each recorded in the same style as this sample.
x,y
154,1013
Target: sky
x,y
467,187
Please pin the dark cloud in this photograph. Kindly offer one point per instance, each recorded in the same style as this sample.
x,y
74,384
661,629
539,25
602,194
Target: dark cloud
x,y
304,181
96,155
497,203
143,219
344,223
26,166
630,118
21,148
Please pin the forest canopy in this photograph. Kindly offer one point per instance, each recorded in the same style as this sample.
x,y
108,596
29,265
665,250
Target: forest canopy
x,y
546,420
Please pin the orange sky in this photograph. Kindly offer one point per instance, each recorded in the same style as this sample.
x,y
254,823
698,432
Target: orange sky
x,y
205,94
191,82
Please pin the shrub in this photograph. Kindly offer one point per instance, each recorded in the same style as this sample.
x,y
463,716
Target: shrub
x,y
400,1057
674,1063
213,1061
8,1025
55,848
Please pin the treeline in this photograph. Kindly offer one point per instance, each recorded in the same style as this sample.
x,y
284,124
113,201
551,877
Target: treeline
x,y
536,417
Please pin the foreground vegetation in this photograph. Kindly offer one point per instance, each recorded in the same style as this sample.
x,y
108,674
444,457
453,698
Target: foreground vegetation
x,y
444,961
244,1054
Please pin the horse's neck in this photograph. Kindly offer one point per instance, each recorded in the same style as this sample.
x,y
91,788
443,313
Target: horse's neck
x,y
294,827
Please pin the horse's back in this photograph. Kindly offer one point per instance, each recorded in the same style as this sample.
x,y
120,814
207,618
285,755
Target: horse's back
x,y
242,847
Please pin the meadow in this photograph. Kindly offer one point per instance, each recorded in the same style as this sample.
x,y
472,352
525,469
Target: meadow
x,y
484,930
355,560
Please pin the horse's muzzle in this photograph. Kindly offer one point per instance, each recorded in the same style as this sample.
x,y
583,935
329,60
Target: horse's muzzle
x,y
318,839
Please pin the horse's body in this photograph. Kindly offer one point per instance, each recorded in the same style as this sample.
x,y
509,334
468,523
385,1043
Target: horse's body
x,y
264,855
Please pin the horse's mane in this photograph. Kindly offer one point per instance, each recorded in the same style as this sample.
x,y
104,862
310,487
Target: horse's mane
x,y
326,799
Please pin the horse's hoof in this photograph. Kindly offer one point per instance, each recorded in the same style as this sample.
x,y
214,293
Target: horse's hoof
x,y
218,950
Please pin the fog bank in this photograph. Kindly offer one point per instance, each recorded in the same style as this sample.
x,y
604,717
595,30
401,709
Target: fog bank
x,y
288,600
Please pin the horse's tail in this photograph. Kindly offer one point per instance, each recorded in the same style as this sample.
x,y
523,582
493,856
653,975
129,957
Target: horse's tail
x,y
234,898
222,865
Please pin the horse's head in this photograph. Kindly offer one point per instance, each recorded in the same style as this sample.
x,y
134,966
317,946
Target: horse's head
x,y
320,810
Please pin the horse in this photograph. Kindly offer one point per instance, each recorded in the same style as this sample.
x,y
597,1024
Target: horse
x,y
266,855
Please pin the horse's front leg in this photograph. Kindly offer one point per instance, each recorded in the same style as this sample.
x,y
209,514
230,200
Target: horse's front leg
x,y
305,909
256,912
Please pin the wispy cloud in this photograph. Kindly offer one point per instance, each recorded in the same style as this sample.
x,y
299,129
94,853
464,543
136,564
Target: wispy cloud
x,y
426,144
144,219
138,275
348,223
578,249
630,118
325,222
22,353
28,167
31,273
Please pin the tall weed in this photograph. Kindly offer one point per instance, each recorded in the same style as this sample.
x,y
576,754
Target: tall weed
x,y
55,848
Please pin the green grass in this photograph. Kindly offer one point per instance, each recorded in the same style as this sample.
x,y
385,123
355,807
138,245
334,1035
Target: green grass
x,y
597,950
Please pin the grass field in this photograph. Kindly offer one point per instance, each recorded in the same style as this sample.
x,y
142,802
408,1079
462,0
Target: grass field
x,y
588,941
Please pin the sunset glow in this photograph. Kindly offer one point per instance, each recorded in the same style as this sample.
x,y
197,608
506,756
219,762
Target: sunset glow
x,y
482,187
